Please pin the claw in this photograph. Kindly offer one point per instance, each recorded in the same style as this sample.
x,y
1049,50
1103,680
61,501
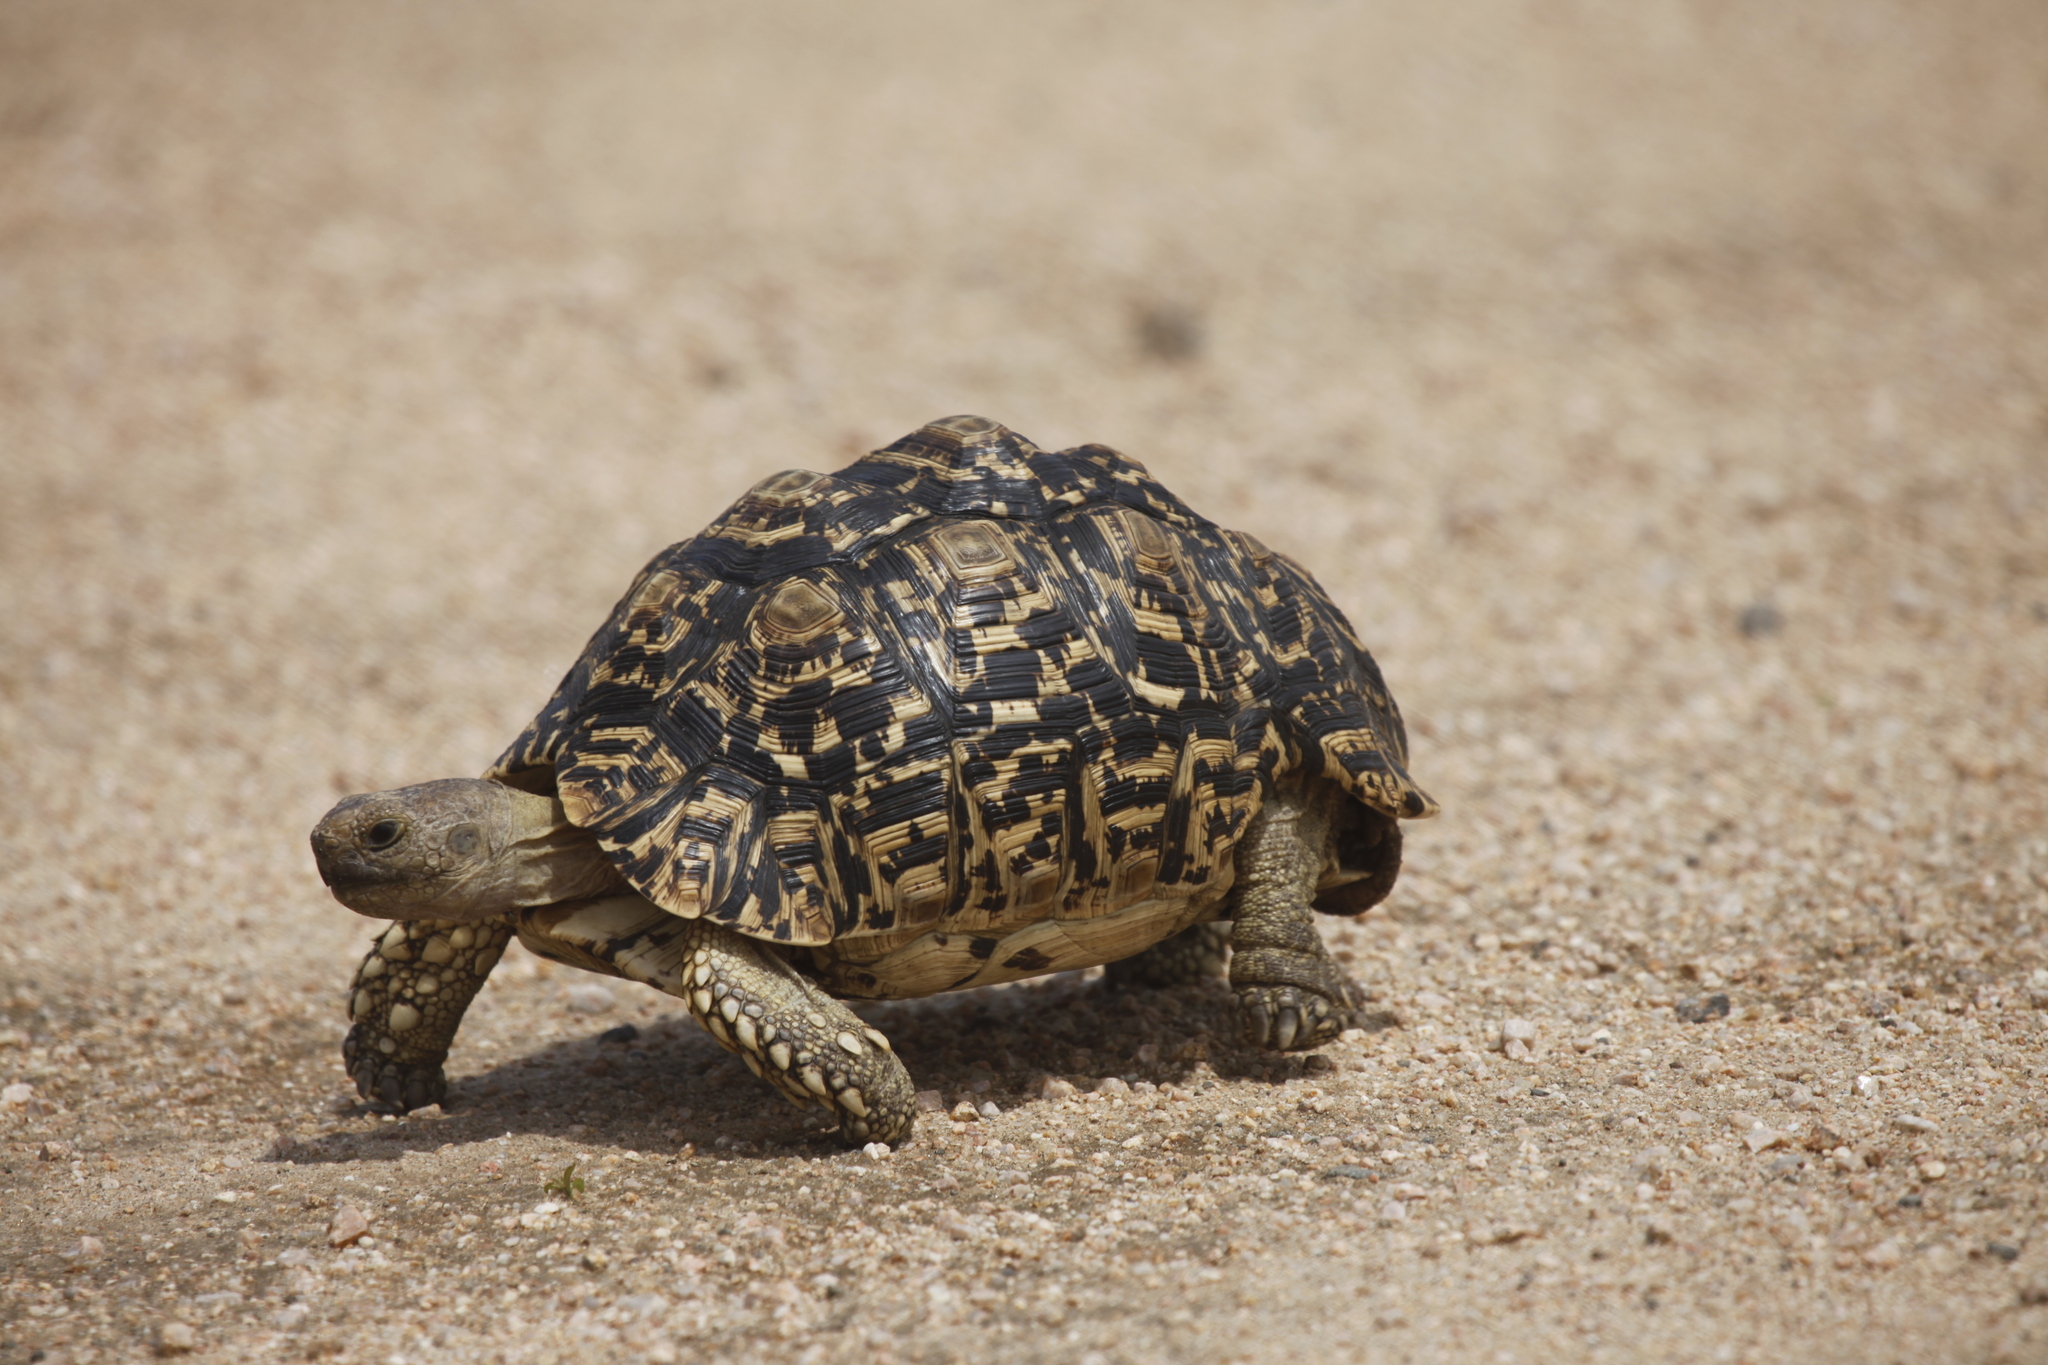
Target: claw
x,y
1285,1029
388,1087
1256,1024
1289,1019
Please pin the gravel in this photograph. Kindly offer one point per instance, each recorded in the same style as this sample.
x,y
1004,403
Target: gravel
x,y
349,371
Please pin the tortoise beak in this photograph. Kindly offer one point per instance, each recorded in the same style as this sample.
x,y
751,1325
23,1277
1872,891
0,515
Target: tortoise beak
x,y
345,867
340,866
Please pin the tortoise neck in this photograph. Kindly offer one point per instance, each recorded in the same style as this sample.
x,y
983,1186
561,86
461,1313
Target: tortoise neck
x,y
548,859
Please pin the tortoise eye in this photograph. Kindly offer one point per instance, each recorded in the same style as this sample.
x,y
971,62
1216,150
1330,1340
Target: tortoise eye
x,y
383,834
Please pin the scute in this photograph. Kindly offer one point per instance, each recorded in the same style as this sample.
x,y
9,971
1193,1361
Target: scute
x,y
782,489
965,428
799,611
972,550
935,715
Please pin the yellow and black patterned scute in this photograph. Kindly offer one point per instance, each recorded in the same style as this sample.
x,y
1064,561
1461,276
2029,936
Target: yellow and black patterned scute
x,y
959,688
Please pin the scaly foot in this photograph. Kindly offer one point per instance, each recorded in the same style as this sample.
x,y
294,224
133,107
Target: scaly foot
x,y
790,1033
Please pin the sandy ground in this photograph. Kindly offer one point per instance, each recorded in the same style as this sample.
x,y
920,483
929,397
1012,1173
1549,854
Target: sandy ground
x,y
1662,388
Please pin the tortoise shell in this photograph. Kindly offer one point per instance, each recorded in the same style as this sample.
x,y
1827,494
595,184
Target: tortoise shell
x,y
965,711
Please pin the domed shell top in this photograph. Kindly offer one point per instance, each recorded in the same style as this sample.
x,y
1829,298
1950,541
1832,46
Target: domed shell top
x,y
961,685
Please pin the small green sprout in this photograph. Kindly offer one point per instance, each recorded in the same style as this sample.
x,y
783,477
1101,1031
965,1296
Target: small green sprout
x,y
568,1184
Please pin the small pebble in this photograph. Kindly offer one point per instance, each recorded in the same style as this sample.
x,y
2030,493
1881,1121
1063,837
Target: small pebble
x,y
1760,619
347,1227
877,1151
175,1339
587,997
1913,1123
1112,1085
1504,1234
989,1110
965,1112
1695,1010
1821,1138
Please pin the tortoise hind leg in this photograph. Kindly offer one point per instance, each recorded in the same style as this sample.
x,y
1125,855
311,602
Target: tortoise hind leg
x,y
1291,995
790,1033
1196,953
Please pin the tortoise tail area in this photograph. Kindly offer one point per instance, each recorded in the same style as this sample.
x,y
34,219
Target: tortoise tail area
x,y
1335,705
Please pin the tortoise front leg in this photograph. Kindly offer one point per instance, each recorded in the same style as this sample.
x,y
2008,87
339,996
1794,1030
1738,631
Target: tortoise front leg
x,y
407,1001
1291,996
790,1033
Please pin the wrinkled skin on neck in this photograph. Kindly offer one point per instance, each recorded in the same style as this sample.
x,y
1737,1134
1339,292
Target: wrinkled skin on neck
x,y
464,849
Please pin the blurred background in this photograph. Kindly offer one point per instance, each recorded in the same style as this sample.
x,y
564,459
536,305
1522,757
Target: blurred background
x,y
1661,387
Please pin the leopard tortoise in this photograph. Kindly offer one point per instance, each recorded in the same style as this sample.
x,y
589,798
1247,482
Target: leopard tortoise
x,y
964,712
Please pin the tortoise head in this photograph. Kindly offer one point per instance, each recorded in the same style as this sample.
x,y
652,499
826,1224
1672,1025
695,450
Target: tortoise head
x,y
458,849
